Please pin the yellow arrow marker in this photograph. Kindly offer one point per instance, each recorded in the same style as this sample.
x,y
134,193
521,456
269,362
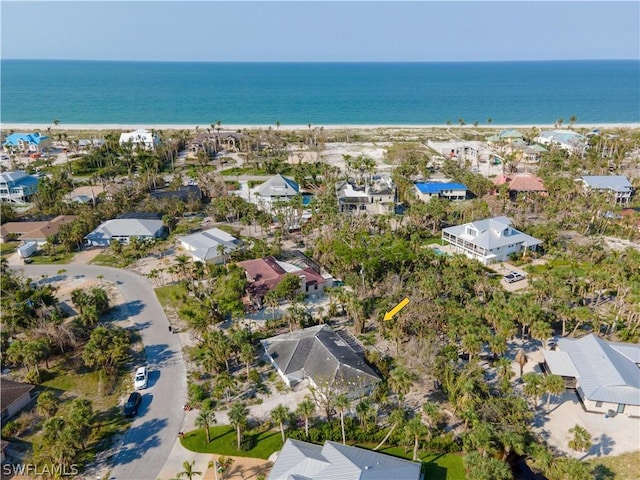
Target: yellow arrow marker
x,y
390,314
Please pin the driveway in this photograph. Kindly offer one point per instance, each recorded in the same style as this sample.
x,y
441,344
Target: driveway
x,y
152,435
611,436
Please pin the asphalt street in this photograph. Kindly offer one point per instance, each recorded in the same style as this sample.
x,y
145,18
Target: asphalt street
x,y
153,433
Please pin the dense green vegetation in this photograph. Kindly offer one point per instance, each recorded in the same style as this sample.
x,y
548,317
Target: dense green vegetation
x,y
452,344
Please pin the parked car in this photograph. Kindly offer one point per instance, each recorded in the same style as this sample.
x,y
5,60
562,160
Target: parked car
x,y
512,277
141,378
132,405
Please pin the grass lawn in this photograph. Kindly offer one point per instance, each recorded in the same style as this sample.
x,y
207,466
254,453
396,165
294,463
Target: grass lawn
x,y
108,260
580,270
622,467
223,442
169,296
58,258
438,466
7,248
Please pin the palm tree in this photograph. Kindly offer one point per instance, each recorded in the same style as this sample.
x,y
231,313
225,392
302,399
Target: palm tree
x,y
521,359
415,429
280,414
364,410
553,385
204,420
533,386
188,471
342,404
581,440
489,120
246,355
220,466
572,121
401,381
238,418
396,418
306,409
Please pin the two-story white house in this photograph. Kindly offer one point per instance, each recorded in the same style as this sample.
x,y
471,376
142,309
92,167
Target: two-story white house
x,y
17,187
488,241
143,138
377,196
618,186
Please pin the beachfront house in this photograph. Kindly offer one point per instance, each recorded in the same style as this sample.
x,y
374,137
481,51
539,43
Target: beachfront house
x,y
210,246
604,374
300,460
488,241
568,140
323,358
26,142
144,226
425,191
377,196
17,186
140,138
617,187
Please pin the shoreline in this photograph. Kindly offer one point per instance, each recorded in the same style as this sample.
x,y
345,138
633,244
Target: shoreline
x,y
234,127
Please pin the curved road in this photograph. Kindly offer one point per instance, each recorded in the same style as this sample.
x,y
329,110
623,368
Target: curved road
x,y
153,433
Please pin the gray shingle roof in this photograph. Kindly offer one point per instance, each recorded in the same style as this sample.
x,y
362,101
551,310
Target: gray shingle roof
x,y
334,461
12,391
490,234
607,371
323,356
278,186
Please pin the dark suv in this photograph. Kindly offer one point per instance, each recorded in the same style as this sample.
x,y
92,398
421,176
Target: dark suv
x,y
132,405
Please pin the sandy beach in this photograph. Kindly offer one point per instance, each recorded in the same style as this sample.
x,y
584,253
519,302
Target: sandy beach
x,y
225,127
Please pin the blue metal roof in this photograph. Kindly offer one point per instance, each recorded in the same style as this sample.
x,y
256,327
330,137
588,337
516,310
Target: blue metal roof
x,y
32,138
437,187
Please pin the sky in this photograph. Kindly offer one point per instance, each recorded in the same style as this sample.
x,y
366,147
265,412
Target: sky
x,y
336,31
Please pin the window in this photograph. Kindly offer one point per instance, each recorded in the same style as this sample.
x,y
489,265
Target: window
x,y
598,404
620,408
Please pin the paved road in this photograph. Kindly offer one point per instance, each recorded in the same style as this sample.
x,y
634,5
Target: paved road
x,y
152,435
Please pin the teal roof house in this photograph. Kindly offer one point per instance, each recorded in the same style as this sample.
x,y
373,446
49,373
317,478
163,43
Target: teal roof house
x,y
26,142
17,187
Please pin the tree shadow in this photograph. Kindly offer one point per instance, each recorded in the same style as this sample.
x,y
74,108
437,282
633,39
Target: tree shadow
x,y
603,446
601,472
432,470
139,440
159,356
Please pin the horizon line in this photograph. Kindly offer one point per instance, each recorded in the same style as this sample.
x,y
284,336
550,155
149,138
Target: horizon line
x,y
323,61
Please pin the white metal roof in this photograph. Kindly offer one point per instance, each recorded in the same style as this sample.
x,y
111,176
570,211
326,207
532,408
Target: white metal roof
x,y
606,371
560,363
334,461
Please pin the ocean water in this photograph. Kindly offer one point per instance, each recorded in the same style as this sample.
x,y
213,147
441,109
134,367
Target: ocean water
x,y
87,92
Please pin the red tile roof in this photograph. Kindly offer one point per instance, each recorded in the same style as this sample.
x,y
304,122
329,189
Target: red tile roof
x,y
521,182
265,273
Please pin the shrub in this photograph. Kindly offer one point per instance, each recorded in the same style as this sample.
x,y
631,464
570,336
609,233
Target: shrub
x,y
196,394
33,377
